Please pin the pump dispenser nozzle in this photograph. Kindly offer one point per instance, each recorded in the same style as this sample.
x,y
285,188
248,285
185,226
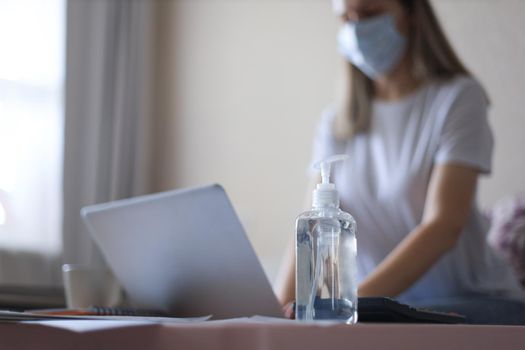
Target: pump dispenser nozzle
x,y
325,194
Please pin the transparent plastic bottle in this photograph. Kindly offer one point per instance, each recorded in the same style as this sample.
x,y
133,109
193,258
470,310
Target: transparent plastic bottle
x,y
326,257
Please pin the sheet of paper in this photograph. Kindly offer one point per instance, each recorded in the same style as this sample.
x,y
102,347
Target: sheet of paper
x,y
265,320
271,320
274,320
98,323
83,326
255,320
9,316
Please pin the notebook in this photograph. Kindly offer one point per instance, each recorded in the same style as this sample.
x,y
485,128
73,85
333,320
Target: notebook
x,y
182,252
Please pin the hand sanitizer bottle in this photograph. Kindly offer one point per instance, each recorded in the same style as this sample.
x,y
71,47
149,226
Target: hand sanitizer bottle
x,y
326,284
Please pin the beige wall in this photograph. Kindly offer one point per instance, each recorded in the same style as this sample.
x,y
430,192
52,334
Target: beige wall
x,y
242,84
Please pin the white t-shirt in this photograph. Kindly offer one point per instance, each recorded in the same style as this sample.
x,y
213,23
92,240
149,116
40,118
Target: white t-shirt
x,y
384,183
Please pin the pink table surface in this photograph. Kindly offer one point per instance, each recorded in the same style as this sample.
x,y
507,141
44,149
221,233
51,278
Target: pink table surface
x,y
240,335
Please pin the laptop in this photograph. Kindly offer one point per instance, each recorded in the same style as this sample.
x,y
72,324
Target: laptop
x,y
184,253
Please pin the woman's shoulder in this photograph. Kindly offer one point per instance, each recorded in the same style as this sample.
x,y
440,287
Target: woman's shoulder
x,y
461,87
332,125
326,122
324,125
328,113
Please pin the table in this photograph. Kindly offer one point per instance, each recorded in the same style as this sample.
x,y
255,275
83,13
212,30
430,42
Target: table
x,y
246,334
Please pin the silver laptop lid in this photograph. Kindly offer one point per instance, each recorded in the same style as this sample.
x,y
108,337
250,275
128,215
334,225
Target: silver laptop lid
x,y
183,252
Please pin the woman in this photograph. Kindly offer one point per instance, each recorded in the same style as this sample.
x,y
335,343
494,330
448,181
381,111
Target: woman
x,y
414,123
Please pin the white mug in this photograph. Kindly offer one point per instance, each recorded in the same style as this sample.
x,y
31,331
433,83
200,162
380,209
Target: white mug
x,y
89,286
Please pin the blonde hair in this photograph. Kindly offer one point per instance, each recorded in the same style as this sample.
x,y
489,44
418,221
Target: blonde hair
x,y
430,53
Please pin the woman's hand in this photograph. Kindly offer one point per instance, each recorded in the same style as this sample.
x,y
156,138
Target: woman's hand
x,y
289,310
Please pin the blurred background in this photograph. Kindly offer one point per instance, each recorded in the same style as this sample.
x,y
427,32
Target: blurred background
x,y
108,99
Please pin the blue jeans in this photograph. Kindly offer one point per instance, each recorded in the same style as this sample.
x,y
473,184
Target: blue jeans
x,y
480,309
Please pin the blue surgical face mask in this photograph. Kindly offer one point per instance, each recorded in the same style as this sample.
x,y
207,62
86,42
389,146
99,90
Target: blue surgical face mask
x,y
373,45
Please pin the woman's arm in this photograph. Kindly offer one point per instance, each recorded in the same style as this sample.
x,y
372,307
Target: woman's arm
x,y
285,286
449,199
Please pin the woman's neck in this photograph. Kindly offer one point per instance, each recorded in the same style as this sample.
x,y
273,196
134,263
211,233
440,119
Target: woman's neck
x,y
397,84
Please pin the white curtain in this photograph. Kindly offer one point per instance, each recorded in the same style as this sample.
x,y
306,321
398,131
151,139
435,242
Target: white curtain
x,y
31,131
107,111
